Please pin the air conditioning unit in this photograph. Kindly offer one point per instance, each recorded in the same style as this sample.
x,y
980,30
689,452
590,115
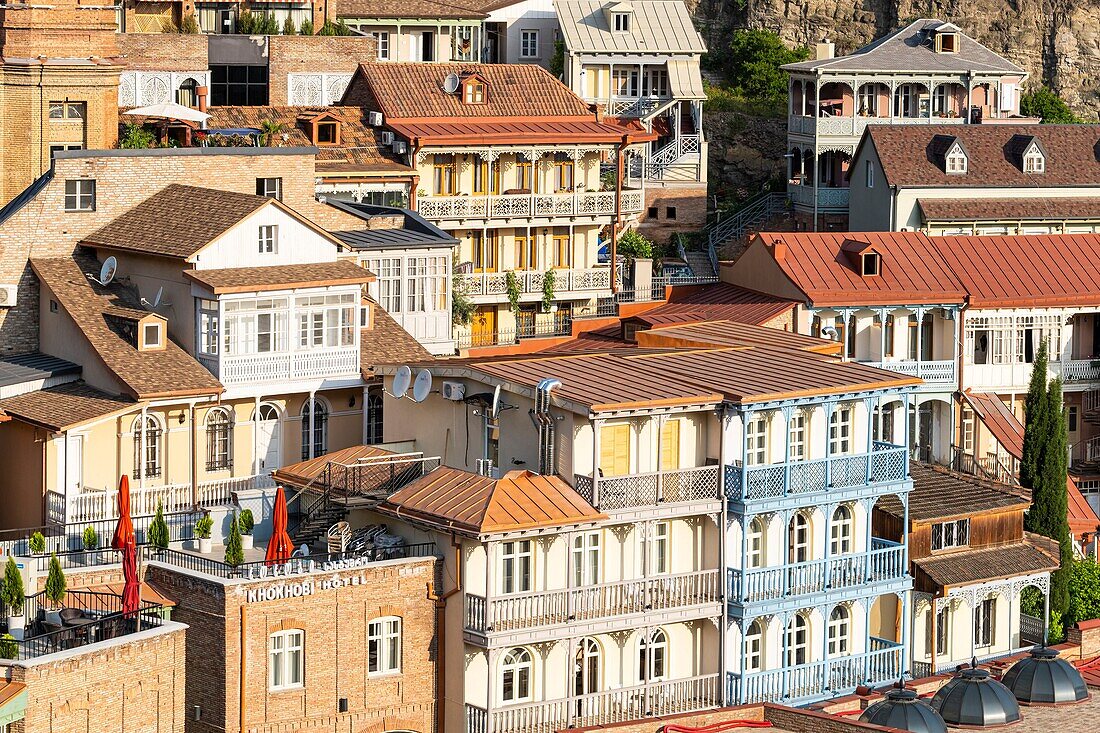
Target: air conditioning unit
x,y
454,391
399,147
7,295
374,119
387,138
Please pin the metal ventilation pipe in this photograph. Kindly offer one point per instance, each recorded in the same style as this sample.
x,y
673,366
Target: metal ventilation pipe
x,y
544,422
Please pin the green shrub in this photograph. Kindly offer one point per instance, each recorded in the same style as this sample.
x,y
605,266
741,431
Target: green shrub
x,y
751,61
37,543
1045,104
12,592
203,527
55,582
136,137
247,521
158,530
246,23
91,538
271,25
307,28
633,245
511,288
288,27
9,648
189,26
234,549
549,279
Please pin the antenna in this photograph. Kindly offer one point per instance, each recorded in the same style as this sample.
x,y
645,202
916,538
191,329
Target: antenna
x,y
401,381
106,272
156,301
422,387
450,84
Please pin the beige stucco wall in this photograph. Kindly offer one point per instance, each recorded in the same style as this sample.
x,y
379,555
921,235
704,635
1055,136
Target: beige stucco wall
x,y
21,480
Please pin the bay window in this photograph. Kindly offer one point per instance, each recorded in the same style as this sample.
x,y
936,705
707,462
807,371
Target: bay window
x,y
387,288
254,326
326,320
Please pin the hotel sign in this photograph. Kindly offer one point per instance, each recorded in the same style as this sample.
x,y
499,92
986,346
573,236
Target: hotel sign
x,y
300,582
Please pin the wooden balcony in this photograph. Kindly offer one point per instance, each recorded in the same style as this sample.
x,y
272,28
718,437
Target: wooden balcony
x,y
280,367
842,126
881,664
655,699
527,205
829,198
646,490
570,606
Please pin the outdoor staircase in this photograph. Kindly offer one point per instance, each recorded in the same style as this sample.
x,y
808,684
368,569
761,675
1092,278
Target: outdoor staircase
x,y
699,262
314,525
754,212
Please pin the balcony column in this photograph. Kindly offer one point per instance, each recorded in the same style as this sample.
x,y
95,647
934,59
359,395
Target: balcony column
x,y
576,168
825,612
570,684
882,335
571,587
869,406
490,158
743,584
660,423
829,407
869,509
919,312
143,437
827,550
746,418
787,412
256,436
866,666
744,626
905,422
597,425
492,655
785,660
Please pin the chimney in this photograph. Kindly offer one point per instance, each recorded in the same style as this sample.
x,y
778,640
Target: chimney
x,y
825,49
202,93
779,251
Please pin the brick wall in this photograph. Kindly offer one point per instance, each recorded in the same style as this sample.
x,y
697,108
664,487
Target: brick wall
x,y
690,204
317,54
61,29
335,624
164,51
1086,636
123,179
130,686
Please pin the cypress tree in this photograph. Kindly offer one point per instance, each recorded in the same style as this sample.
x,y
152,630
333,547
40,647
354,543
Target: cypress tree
x,y
234,549
55,582
1049,499
1035,421
158,530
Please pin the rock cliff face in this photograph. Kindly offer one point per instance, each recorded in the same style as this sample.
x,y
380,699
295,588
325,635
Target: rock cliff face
x,y
1056,41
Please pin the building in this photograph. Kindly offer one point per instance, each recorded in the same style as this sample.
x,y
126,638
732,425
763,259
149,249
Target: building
x,y
427,30
977,179
514,166
926,73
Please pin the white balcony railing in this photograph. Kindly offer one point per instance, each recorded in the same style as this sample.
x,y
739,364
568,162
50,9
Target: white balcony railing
x,y
655,699
91,505
989,377
938,373
546,205
306,364
605,600
854,126
827,197
482,284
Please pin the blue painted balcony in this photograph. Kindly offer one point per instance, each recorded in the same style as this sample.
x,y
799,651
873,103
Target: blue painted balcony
x,y
799,684
845,577
844,477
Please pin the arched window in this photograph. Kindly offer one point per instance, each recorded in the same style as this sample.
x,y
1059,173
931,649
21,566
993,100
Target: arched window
x,y
840,628
798,640
384,645
754,647
314,429
840,531
798,538
219,440
286,659
515,678
652,656
757,542
147,456
586,667
374,418
187,94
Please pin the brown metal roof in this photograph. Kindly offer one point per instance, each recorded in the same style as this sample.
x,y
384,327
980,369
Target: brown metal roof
x,y
511,131
1033,555
720,302
461,501
279,277
302,473
405,9
998,419
730,333
960,209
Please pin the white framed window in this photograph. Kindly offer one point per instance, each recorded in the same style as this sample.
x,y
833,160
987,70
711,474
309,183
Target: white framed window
x,y
655,82
268,240
754,647
271,188
869,167
621,22
80,194
219,440
985,616
147,457
956,160
659,550
653,656
840,531
151,336
586,558
868,100
516,563
756,442
798,640
327,321
382,41
475,92
286,659
757,543
797,436
946,535
426,284
515,676
253,325
840,431
387,288
208,326
1034,162
384,646
68,110
314,429
529,44
968,428
798,538
840,628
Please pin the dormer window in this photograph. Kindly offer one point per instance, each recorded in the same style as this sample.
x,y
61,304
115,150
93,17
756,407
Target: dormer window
x,y
947,42
621,22
956,160
149,334
474,92
1034,161
328,133
870,264
152,337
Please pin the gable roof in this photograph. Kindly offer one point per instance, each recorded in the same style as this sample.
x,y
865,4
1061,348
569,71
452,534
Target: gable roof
x,y
386,342
169,372
911,155
940,494
1034,554
908,50
657,27
720,302
177,221
453,500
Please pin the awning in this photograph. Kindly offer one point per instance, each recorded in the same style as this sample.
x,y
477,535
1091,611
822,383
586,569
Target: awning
x,y
684,80
999,420
13,702
170,111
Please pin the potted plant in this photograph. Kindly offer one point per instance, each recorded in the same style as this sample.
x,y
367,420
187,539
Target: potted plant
x,y
12,596
37,543
202,532
8,648
55,590
246,522
234,549
158,529
91,538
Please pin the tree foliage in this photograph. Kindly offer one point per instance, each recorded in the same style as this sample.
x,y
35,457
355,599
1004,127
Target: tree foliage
x,y
12,592
234,548
751,61
1084,591
136,137
307,28
557,61
158,530
55,582
633,245
1045,104
289,28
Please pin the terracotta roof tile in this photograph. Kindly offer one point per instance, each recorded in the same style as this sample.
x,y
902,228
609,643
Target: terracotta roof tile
x,y
388,343
277,277
64,406
1035,554
166,223
466,502
146,374
905,151
961,209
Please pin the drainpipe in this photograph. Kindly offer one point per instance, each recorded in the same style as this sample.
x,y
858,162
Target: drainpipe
x,y
194,455
893,207
243,678
618,213
441,633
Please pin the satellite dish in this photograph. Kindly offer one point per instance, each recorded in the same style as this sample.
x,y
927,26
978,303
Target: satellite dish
x,y
401,381
106,272
450,84
422,387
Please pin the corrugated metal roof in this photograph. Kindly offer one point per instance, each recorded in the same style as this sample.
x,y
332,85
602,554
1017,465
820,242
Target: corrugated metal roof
x,y
32,367
658,27
730,333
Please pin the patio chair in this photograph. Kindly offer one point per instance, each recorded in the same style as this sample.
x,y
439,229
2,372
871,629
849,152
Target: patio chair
x,y
338,536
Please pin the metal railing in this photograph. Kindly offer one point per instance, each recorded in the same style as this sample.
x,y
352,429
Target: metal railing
x,y
756,210
70,537
102,620
493,206
609,493
481,284
603,600
886,462
559,327
882,563
940,373
991,466
679,147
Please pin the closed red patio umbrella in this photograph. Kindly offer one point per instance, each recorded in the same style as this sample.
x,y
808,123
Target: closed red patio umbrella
x,y
124,540
280,546
124,530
